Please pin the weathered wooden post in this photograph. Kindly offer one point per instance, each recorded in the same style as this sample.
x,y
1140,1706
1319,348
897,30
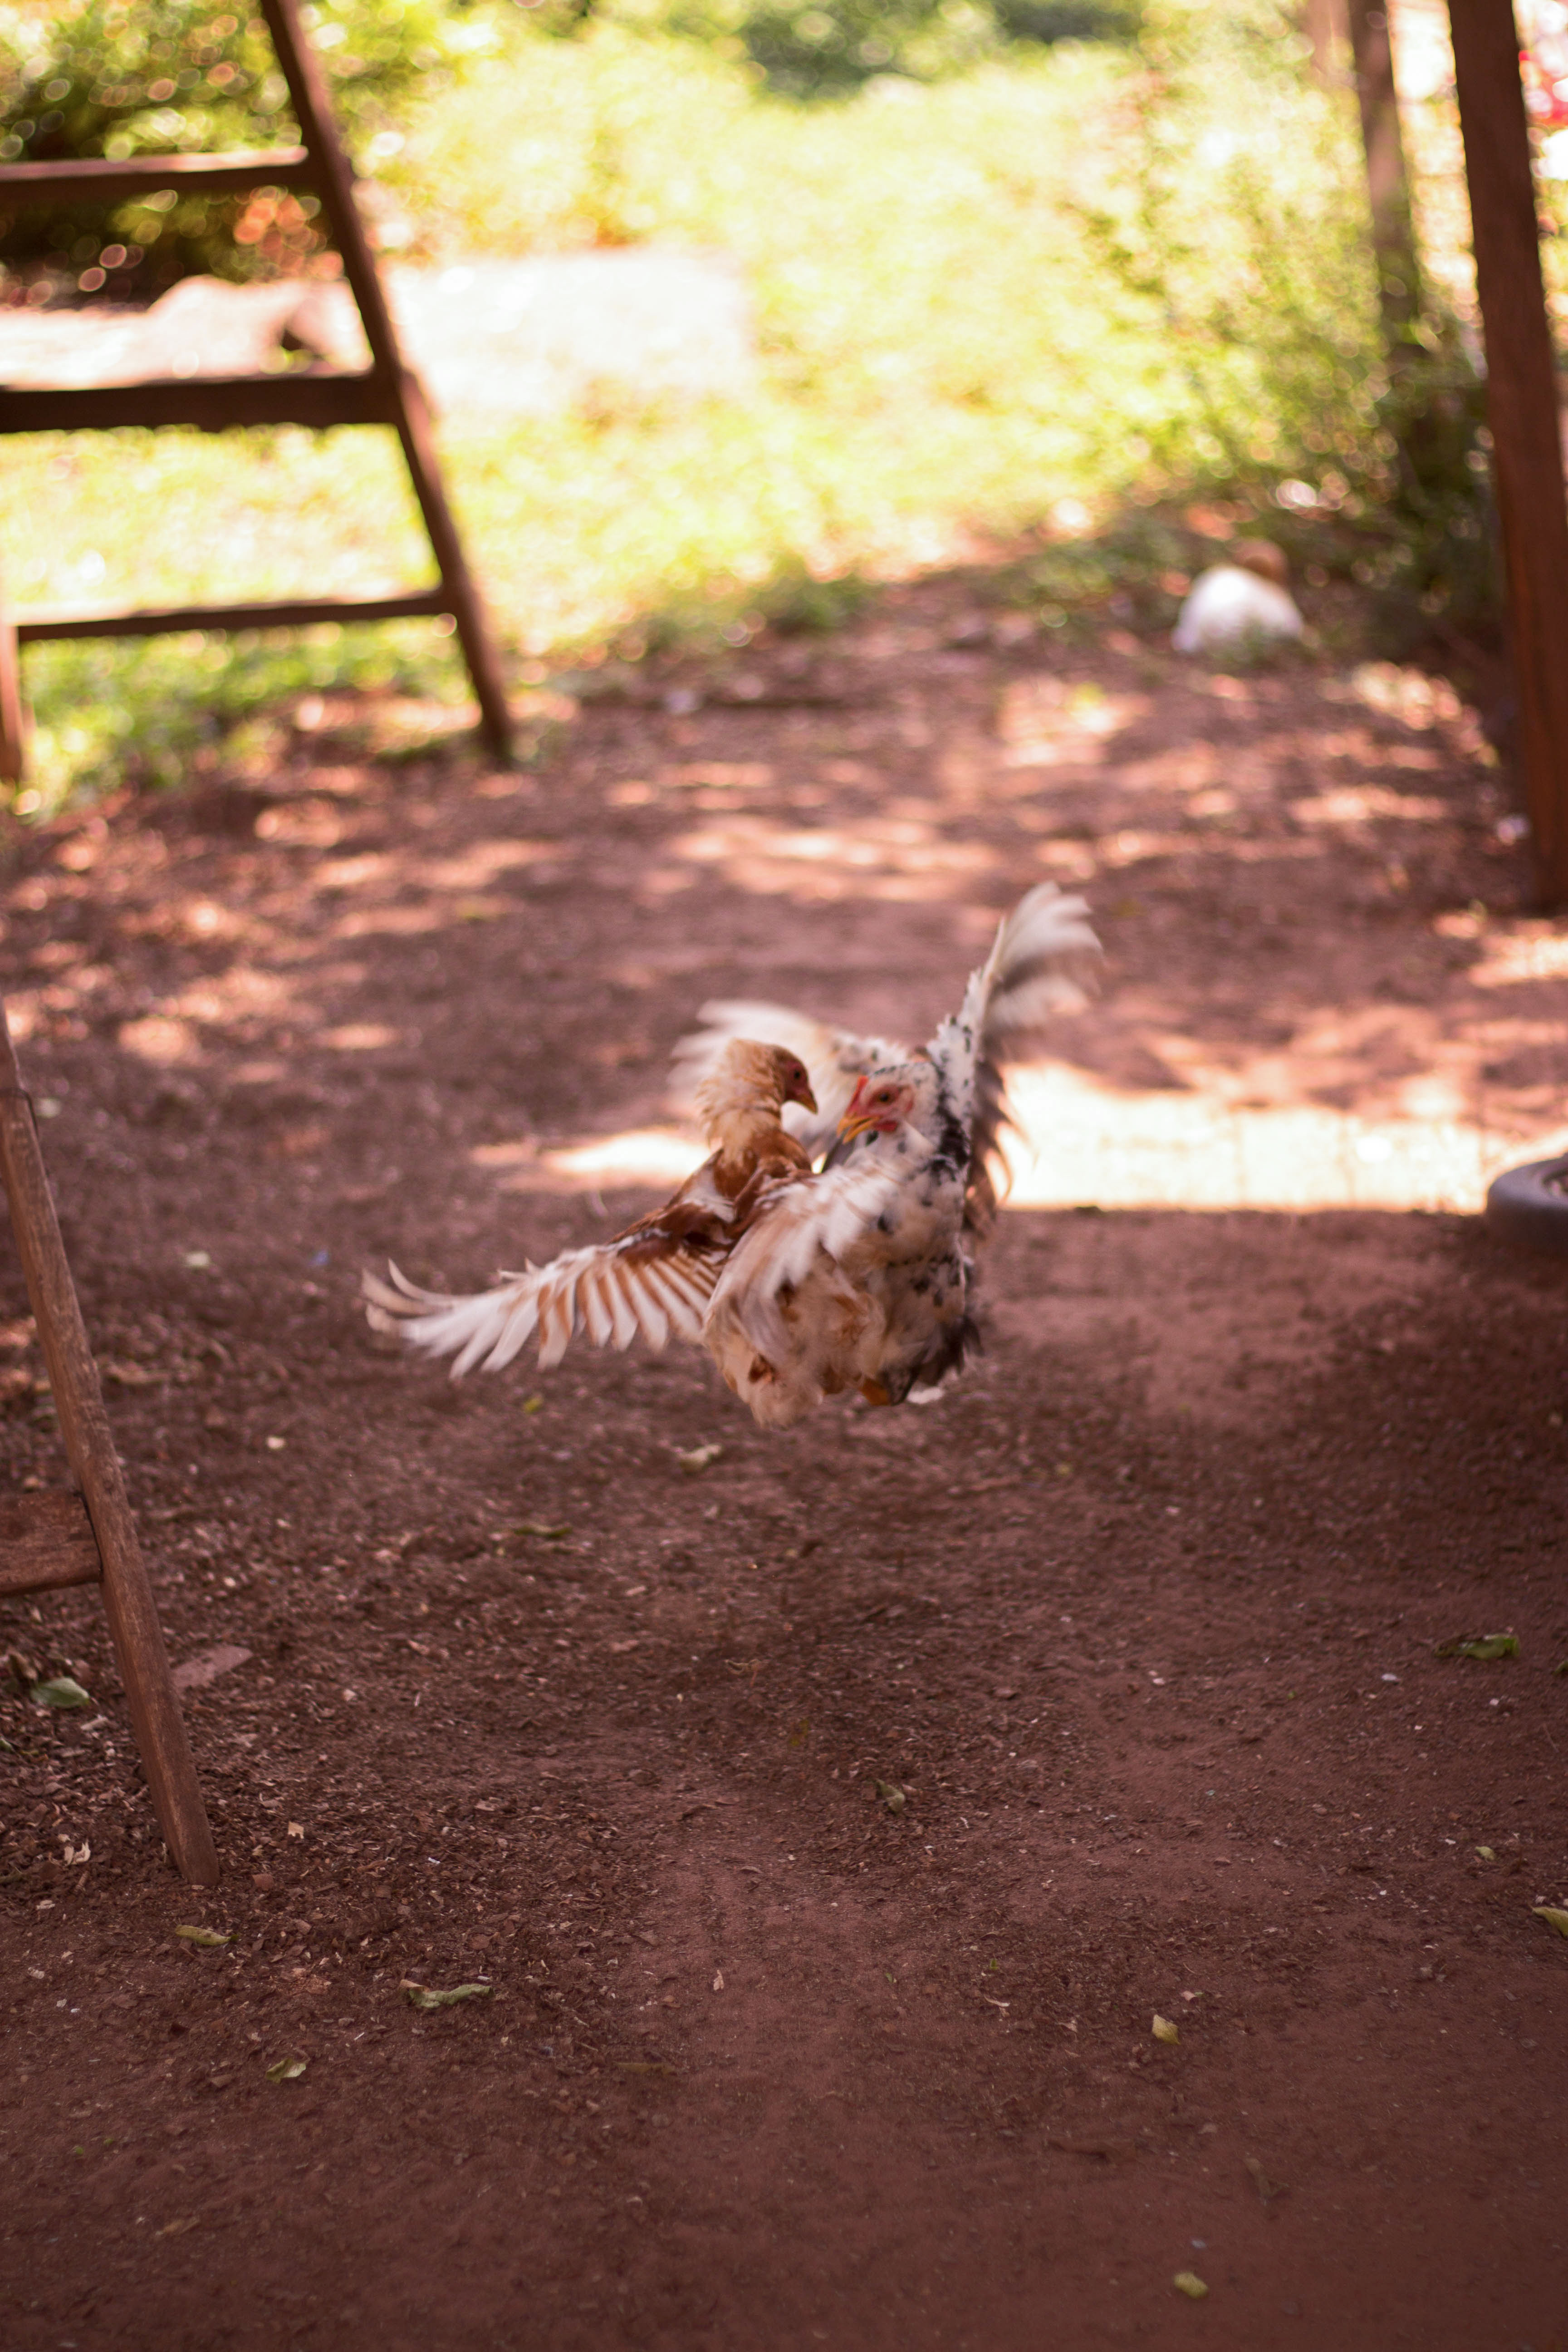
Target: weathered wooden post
x,y
1522,410
48,1541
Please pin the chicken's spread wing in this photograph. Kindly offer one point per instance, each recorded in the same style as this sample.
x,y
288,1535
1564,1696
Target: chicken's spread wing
x,y
654,1280
800,1231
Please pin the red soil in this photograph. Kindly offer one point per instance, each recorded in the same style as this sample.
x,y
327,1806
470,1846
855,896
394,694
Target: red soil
x,y
831,1825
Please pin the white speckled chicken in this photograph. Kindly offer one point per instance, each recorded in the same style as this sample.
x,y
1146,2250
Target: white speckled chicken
x,y
802,1284
882,1305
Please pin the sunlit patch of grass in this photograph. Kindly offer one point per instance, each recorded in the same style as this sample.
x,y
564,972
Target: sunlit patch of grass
x,y
155,712
970,317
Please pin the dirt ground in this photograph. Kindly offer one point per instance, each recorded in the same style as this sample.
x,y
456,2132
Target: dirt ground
x,y
831,1823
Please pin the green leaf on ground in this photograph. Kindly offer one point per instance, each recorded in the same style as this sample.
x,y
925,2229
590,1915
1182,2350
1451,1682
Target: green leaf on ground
x,y
1485,1646
287,2070
1165,2030
1190,2284
1552,1916
549,1532
60,1693
699,1458
206,1939
892,1796
424,1997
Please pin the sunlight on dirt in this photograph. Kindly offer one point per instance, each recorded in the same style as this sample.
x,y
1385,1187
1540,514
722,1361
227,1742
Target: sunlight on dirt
x,y
1086,1142
1305,1006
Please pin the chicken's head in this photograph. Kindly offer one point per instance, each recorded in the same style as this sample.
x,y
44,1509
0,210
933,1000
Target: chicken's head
x,y
882,1102
795,1082
749,1077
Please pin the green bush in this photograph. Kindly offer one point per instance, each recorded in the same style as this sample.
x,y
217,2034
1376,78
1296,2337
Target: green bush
x,y
830,49
1239,233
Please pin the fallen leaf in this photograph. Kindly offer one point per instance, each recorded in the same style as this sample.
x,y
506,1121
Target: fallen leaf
x,y
1485,1853
206,1939
534,1404
1562,1669
718,1980
178,2228
207,1666
422,1996
644,2066
129,1376
1552,1916
1485,1646
61,1693
297,1828
75,1854
892,1796
1107,2151
1190,2284
698,1459
1267,2189
1165,2030
551,1533
287,2070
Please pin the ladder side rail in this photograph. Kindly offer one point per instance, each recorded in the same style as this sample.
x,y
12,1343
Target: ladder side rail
x,y
128,1600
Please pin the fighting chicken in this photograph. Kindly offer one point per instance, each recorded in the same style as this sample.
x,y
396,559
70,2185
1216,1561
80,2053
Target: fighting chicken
x,y
886,1307
657,1277
802,1284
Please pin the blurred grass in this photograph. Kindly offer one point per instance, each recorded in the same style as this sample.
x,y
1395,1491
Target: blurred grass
x,y
1085,274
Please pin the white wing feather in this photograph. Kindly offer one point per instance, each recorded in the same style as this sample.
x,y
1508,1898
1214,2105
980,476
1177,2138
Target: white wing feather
x,y
794,1232
612,1296
1043,962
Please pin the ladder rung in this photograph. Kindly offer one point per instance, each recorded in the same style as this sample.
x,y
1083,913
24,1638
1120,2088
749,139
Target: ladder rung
x,y
317,398
172,619
108,178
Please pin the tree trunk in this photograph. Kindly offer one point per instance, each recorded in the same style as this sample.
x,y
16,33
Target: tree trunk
x,y
1388,184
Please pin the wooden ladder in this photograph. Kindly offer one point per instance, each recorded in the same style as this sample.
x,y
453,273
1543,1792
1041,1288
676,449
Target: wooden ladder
x,y
387,393
52,1539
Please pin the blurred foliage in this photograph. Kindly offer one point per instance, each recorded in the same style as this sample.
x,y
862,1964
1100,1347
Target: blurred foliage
x,y
1240,231
809,49
123,78
1066,298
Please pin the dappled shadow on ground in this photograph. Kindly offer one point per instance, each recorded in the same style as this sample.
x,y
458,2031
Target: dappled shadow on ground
x,y
1322,987
831,1824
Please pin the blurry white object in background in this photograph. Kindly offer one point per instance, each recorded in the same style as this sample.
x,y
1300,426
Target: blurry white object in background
x,y
1242,606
